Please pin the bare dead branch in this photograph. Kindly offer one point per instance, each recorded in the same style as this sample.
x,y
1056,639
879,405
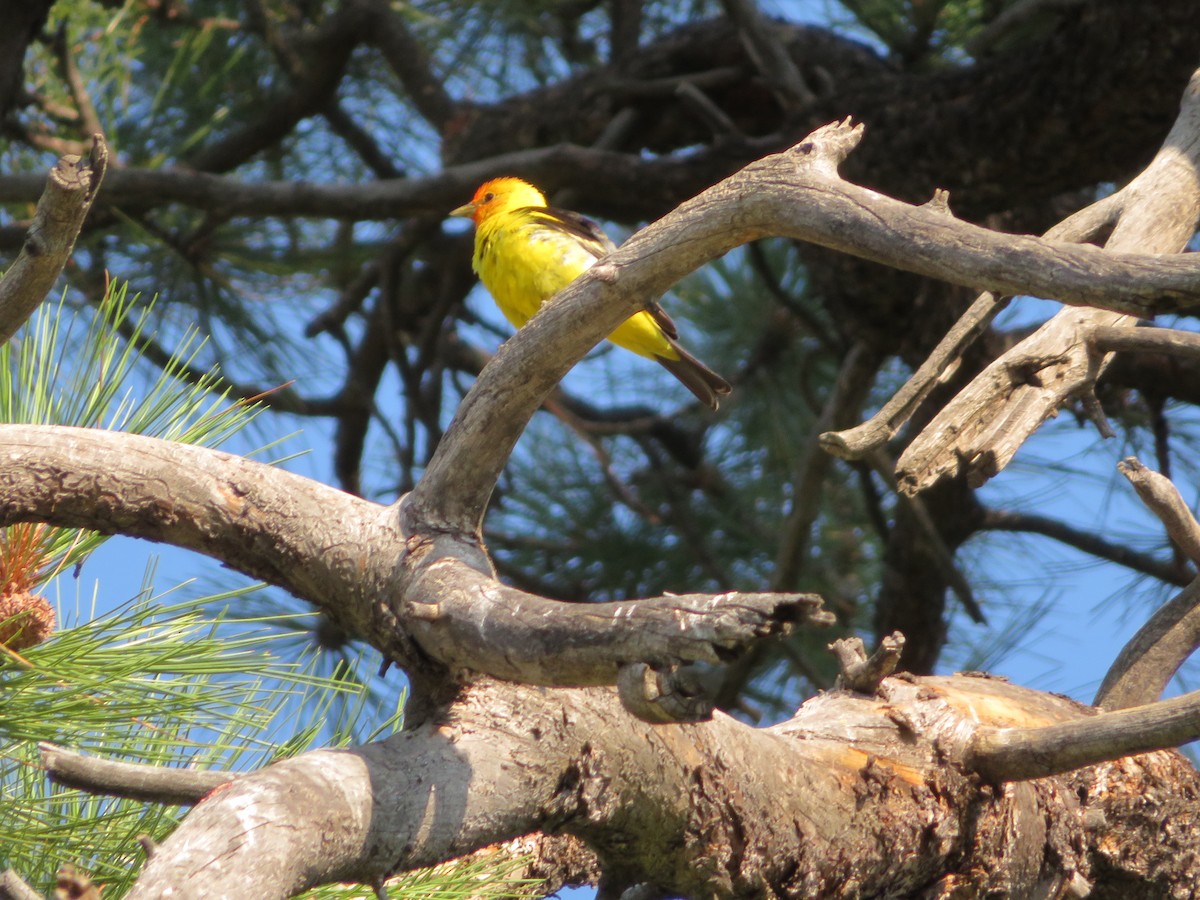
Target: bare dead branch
x,y
268,523
1164,500
344,554
69,193
1147,663
855,443
862,673
1019,754
156,784
490,627
981,429
1168,341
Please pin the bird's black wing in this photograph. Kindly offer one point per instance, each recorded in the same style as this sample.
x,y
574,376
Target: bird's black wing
x,y
583,229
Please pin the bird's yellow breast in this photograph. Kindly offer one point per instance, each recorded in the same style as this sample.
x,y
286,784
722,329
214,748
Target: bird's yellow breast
x,y
524,264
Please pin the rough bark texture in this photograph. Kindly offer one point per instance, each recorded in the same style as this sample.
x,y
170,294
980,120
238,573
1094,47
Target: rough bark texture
x,y
856,796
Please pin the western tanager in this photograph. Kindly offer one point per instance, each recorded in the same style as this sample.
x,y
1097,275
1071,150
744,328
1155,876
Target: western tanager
x,y
526,252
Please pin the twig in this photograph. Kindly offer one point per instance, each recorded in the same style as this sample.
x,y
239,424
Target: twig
x,y
713,116
812,466
861,673
1087,541
137,781
1165,501
1020,754
1144,666
89,119
70,190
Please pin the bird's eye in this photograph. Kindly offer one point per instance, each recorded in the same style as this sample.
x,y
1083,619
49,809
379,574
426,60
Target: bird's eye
x,y
489,197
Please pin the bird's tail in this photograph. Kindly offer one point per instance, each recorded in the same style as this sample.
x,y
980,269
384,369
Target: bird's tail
x,y
698,378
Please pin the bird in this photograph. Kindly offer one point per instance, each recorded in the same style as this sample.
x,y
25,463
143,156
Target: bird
x,y
526,252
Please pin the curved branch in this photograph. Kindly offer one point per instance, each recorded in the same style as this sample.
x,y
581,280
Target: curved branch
x,y
268,523
1147,663
69,193
1164,500
1019,754
797,194
348,557
1087,541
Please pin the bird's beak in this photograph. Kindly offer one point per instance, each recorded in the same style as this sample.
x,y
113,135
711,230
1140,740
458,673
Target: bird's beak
x,y
466,211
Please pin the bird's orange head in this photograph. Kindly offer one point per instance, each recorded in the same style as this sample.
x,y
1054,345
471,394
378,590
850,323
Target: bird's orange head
x,y
500,195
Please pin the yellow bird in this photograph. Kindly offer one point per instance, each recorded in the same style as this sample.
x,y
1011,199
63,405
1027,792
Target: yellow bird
x,y
526,252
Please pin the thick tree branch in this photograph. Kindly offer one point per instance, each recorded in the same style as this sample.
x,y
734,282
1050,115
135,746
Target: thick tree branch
x,y
1166,341
873,779
417,597
285,529
13,887
519,636
69,194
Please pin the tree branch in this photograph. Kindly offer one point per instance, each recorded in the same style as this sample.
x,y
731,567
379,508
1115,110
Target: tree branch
x,y
268,523
857,442
428,601
1019,754
484,625
1164,500
13,887
69,193
981,429
155,784
1087,541
1166,341
769,54
1147,663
